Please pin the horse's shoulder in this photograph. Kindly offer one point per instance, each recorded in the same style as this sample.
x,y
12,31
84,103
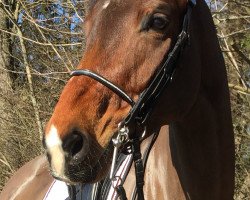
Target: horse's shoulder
x,y
31,181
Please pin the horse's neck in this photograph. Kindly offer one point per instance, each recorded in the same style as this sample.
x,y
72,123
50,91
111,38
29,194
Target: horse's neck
x,y
188,160
159,171
196,153
181,158
203,152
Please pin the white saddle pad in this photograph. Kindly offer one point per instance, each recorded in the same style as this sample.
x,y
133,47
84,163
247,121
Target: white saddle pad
x,y
57,191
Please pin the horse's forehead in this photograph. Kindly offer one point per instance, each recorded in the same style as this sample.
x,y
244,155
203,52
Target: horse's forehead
x,y
121,8
112,12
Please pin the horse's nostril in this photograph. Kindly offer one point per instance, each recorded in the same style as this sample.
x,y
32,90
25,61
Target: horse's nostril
x,y
77,146
74,146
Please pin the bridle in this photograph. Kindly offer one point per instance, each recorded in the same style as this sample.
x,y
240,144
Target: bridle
x,y
129,136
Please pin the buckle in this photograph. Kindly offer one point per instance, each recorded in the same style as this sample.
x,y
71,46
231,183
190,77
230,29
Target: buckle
x,y
118,142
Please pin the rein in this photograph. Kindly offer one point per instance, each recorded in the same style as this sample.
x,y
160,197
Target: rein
x,y
130,130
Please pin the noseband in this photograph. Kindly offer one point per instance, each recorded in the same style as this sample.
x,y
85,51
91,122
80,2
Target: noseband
x,y
130,130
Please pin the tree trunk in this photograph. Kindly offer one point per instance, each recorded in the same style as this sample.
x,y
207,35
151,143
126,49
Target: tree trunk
x,y
5,58
5,79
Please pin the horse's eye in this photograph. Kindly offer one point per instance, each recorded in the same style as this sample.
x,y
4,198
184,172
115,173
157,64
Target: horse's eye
x,y
158,22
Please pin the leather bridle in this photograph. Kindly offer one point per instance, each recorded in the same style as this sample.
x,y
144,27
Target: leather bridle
x,y
128,138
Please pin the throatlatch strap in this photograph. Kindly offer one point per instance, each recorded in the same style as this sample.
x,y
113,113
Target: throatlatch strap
x,y
139,168
72,192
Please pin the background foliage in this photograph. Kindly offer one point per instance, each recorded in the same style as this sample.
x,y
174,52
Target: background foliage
x,y
41,41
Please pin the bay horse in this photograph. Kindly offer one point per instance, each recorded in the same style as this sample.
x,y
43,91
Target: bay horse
x,y
128,42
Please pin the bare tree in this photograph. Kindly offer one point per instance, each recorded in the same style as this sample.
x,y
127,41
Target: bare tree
x,y
41,44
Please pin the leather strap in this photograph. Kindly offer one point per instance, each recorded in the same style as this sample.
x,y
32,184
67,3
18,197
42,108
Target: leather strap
x,y
105,82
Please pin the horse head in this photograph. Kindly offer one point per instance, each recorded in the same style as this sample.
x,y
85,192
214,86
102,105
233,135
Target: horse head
x,y
126,42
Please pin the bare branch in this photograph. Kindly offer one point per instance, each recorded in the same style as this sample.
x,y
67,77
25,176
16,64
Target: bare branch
x,y
245,91
5,162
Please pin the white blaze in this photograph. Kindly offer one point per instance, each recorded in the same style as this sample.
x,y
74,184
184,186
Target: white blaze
x,y
106,4
54,146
